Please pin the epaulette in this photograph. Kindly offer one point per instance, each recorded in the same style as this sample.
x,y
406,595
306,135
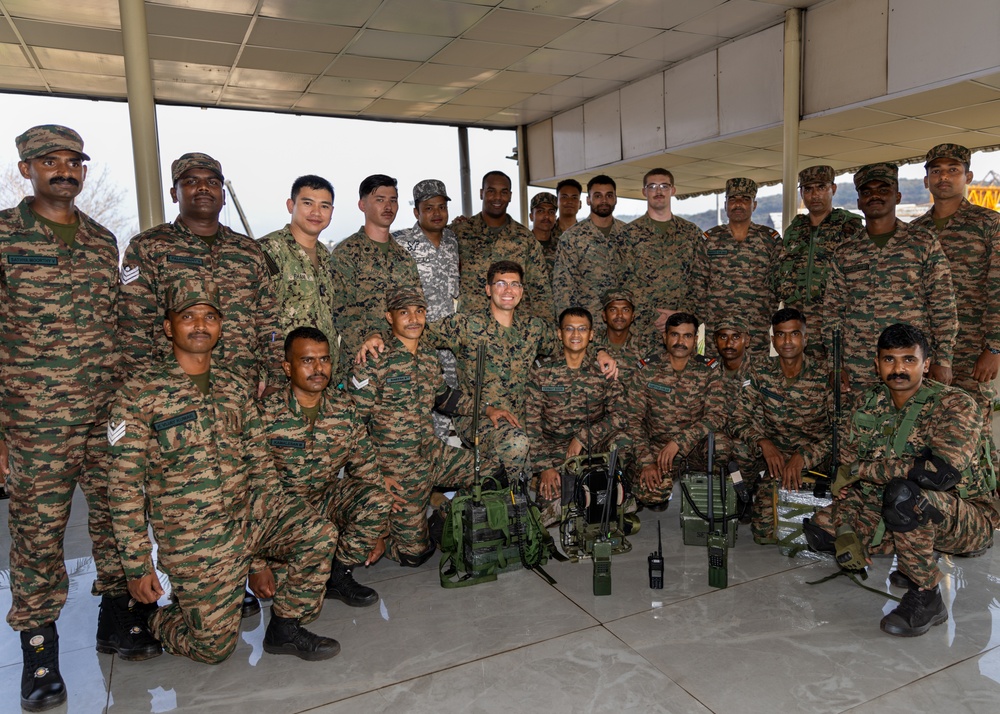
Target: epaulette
x,y
652,359
710,362
544,361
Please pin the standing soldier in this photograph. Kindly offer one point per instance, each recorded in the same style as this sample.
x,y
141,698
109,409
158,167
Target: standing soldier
x,y
888,272
803,261
58,362
434,247
741,256
568,192
300,264
543,221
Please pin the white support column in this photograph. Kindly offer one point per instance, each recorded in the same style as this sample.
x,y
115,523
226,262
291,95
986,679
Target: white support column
x,y
464,171
522,171
791,110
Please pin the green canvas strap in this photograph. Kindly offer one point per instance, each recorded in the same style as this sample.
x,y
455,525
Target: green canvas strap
x,y
854,579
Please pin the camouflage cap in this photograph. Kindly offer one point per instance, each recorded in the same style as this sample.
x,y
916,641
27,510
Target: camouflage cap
x,y
41,140
887,173
194,160
949,151
733,322
398,298
429,188
816,174
617,294
183,293
544,197
741,187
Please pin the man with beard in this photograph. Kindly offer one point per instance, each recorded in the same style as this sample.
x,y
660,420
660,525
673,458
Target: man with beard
x,y
543,221
589,260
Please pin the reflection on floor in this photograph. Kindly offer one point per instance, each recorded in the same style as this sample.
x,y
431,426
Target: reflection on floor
x,y
768,643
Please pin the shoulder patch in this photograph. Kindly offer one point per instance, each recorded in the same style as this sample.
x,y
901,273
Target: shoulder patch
x,y
130,273
710,362
643,361
358,385
115,433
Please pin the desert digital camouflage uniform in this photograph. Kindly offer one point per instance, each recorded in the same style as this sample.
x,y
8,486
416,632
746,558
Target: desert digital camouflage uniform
x,y
949,423
395,395
588,265
870,288
479,246
794,414
668,270
439,276
58,373
304,292
666,405
252,343
363,271
308,456
196,469
739,277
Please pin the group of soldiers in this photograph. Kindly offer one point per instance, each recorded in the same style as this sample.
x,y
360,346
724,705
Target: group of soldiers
x,y
278,413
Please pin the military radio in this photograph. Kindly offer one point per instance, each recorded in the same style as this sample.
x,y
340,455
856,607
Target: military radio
x,y
718,547
655,560
602,546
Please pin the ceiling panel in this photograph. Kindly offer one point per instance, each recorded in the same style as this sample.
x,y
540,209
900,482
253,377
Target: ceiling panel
x,y
521,81
268,32
266,79
426,92
663,14
427,17
624,69
197,51
73,61
193,24
451,75
484,98
69,37
354,13
12,55
481,54
604,37
331,103
581,9
521,28
284,60
545,61
673,46
89,13
182,73
734,18
397,45
371,68
245,7
351,87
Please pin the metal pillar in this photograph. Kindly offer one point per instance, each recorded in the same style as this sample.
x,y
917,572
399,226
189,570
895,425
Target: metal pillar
x,y
142,113
464,171
522,171
791,113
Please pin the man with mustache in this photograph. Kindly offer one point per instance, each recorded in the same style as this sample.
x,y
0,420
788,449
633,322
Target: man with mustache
x,y
58,372
588,263
915,479
885,273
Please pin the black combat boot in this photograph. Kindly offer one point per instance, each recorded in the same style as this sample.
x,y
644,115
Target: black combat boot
x,y
342,586
819,540
285,635
418,559
42,686
123,629
918,611
899,579
251,605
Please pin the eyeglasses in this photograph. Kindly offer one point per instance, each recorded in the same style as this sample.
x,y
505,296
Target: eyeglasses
x,y
503,285
658,186
575,328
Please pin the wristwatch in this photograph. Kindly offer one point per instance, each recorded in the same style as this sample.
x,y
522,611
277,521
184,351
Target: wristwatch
x,y
993,350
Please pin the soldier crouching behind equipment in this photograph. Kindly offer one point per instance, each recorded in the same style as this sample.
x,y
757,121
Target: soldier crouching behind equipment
x,y
312,432
189,459
570,408
914,480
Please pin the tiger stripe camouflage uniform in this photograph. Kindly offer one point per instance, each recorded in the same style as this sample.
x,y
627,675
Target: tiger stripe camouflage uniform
x,y
589,264
303,291
794,414
308,456
251,344
666,405
196,469
58,373
479,246
664,268
949,423
870,288
363,271
395,395
563,403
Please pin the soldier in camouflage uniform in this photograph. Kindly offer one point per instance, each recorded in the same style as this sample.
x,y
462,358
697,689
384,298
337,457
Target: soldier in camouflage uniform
x,y
617,337
970,238
395,395
58,364
664,260
313,432
300,264
543,221
888,272
741,256
492,236
914,480
189,459
568,192
674,401
803,260
783,420
570,407
434,247
589,260
196,245
368,263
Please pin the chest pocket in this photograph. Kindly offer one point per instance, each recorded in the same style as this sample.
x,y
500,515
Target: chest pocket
x,y
178,433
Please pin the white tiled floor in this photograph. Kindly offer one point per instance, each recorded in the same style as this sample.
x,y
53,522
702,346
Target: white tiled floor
x,y
768,643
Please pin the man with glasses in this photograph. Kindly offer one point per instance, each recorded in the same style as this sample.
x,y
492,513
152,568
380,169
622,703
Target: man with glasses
x,y
665,263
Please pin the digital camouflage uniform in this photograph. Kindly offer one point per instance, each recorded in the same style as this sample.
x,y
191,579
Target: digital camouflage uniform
x,y
666,405
794,414
588,265
196,469
949,423
252,343
870,288
58,373
666,270
550,248
308,456
628,355
479,246
363,271
304,292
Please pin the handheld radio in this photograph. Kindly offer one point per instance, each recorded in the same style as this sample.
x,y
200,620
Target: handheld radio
x,y
655,560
